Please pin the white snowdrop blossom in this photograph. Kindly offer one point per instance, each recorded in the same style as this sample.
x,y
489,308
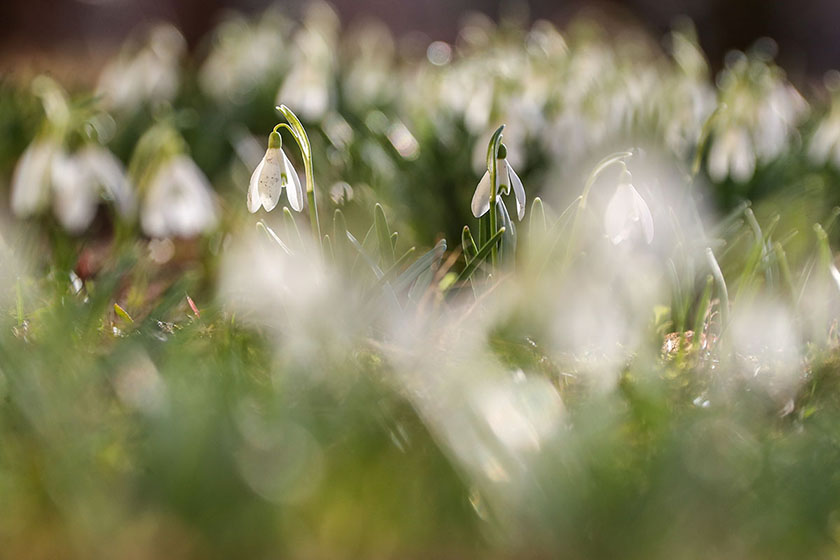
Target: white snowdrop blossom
x,y
307,86
148,74
732,155
272,174
81,180
506,178
627,214
31,179
179,201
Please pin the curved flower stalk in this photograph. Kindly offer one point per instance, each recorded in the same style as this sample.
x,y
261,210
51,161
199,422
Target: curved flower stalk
x,y
627,213
274,173
299,134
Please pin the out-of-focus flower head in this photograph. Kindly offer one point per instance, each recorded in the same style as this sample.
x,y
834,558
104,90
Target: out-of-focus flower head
x,y
75,181
824,146
177,199
145,73
308,86
627,213
245,55
761,111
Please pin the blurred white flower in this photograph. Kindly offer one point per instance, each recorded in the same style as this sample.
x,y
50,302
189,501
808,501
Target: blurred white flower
x,y
149,74
825,143
31,179
81,180
732,155
77,183
272,174
307,87
505,178
179,201
245,55
627,214
761,112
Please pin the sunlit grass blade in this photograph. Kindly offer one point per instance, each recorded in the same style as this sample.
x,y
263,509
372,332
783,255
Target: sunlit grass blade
x,y
723,292
479,258
537,225
423,263
269,233
468,243
383,234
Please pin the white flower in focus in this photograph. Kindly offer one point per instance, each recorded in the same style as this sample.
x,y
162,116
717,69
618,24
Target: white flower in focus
x,y
81,180
627,213
505,178
179,201
272,174
31,179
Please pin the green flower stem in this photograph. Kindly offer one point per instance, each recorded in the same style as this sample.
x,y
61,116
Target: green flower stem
x,y
492,168
302,139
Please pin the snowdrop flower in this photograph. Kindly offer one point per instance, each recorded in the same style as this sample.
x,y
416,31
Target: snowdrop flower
x,y
272,174
505,178
825,144
31,179
732,155
80,181
178,201
627,213
149,74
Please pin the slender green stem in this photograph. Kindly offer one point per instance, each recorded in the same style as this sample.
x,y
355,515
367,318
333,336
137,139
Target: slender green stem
x,y
302,139
492,168
721,282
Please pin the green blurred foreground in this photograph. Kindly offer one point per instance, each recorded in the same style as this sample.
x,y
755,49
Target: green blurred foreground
x,y
645,366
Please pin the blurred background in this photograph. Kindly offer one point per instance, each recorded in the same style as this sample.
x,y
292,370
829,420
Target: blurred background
x,y
51,34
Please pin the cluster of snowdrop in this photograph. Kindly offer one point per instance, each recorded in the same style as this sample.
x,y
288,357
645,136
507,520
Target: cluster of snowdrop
x,y
73,180
148,71
758,117
66,167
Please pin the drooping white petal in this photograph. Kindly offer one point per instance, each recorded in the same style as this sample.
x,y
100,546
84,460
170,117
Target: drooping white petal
x,y
742,159
502,177
718,162
74,193
108,173
481,198
31,179
293,188
270,182
518,191
627,215
642,215
619,214
254,201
